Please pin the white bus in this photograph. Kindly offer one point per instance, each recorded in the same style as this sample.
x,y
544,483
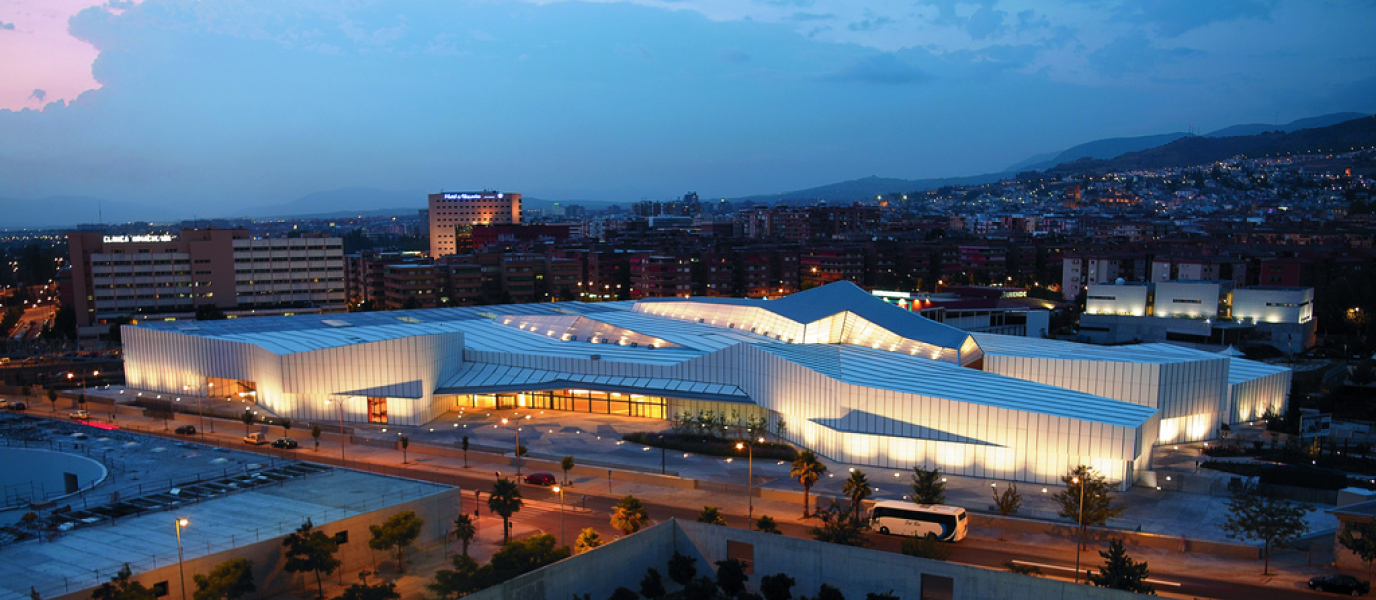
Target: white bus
x,y
947,523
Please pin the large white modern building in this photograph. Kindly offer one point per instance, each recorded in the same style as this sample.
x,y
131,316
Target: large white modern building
x,y
1203,312
854,378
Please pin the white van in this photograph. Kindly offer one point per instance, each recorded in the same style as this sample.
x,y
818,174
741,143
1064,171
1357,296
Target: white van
x,y
255,438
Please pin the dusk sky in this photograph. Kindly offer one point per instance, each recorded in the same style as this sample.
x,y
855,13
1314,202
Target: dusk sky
x,y
239,102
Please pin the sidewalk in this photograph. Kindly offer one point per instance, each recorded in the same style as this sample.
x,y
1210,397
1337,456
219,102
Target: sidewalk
x,y
598,439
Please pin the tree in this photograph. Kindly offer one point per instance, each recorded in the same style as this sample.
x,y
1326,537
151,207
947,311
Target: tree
x,y
929,487
464,445
1007,503
1120,572
652,585
881,596
827,592
464,531
1360,538
587,540
567,465
311,551
778,586
624,593
857,488
766,524
1272,522
807,469
731,576
52,398
229,580
505,500
629,515
1098,508
459,581
682,568
379,591
247,418
839,527
121,587
396,533
315,435
711,515
405,442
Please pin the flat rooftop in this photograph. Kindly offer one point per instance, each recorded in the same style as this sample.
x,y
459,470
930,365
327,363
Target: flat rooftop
x,y
90,554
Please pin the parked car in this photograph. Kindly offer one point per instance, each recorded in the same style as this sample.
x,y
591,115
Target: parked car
x,y
1340,584
16,405
187,430
4,403
80,415
540,479
286,443
255,438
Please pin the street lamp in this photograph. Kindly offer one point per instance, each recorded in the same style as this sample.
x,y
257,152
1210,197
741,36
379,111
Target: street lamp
x,y
341,428
749,447
209,393
181,574
1081,540
560,491
518,444
200,408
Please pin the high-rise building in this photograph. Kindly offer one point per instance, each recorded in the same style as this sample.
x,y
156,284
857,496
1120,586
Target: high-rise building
x,y
453,215
167,275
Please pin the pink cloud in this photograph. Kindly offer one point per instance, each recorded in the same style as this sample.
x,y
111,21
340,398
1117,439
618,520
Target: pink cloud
x,y
43,63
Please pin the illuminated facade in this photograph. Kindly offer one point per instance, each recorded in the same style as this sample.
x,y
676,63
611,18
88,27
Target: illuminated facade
x,y
854,378
1204,312
453,214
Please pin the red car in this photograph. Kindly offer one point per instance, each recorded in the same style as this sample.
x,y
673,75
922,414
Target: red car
x,y
540,479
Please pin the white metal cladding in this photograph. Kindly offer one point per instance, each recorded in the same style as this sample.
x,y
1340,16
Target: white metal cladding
x,y
296,385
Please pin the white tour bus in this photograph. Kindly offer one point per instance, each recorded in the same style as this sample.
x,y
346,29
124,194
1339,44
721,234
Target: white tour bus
x,y
947,523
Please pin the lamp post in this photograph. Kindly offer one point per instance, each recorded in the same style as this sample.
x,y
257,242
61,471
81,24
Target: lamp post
x,y
560,491
181,574
518,443
210,393
200,408
1079,542
341,429
749,447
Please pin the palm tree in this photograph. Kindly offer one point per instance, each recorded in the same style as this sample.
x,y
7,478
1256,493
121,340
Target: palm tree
x,y
464,531
857,488
711,515
629,515
505,500
807,470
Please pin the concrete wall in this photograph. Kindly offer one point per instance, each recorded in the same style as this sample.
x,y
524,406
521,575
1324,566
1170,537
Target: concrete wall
x,y
437,510
855,571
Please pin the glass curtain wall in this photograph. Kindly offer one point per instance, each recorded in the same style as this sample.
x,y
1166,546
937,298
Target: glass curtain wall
x,y
589,401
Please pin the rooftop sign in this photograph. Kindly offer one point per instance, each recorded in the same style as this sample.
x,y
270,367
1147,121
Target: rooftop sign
x,y
126,239
471,196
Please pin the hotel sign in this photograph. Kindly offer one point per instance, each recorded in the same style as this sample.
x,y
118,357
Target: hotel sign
x,y
127,239
470,196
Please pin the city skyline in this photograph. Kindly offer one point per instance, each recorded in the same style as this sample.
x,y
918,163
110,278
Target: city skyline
x,y
209,104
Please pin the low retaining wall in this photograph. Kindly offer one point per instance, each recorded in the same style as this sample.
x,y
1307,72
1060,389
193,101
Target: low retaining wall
x,y
1101,534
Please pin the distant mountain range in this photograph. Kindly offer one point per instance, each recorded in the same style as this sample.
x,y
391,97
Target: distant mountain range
x,y
1114,147
1200,150
1337,130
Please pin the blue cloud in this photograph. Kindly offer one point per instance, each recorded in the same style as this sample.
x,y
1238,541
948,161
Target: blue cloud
x,y
1135,53
1172,18
881,69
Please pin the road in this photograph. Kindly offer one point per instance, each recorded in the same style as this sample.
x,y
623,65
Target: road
x,y
592,506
